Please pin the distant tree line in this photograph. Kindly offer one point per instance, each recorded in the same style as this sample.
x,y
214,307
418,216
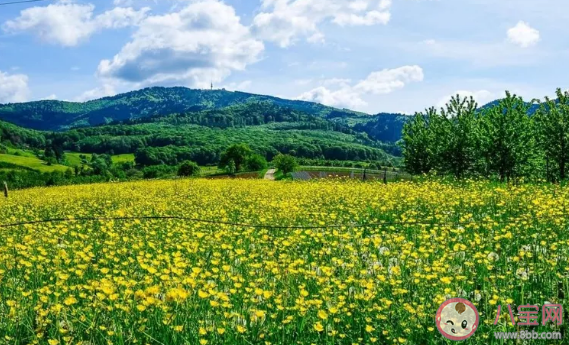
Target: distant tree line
x,y
507,140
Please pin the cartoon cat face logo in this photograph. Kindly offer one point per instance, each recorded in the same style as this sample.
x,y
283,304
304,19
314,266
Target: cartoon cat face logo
x,y
457,319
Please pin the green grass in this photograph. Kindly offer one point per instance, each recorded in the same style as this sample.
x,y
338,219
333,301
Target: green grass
x,y
32,163
125,158
210,170
74,158
19,152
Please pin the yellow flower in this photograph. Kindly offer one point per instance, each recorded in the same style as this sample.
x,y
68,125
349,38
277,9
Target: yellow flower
x,y
318,327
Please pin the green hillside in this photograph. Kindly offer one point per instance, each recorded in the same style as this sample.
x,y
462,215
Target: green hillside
x,y
58,115
32,163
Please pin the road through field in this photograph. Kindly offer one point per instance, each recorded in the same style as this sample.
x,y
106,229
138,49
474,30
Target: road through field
x,y
270,175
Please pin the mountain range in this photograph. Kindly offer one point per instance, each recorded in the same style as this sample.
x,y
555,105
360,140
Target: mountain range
x,y
169,125
51,115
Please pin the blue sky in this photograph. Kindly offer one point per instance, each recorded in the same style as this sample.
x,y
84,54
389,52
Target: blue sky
x,y
369,55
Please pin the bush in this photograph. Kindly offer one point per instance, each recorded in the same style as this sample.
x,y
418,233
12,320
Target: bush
x,y
285,163
256,163
156,171
188,168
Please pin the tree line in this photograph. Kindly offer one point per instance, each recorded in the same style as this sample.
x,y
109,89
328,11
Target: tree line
x,y
507,140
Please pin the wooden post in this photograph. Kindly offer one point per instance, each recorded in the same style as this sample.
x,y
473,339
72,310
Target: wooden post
x,y
365,175
385,175
5,189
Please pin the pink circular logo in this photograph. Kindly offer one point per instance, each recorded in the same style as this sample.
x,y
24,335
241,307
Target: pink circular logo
x,y
457,319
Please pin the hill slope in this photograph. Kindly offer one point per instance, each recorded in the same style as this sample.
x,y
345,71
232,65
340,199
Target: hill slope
x,y
59,115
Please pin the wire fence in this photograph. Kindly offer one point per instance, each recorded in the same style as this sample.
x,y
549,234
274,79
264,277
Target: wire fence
x,y
271,226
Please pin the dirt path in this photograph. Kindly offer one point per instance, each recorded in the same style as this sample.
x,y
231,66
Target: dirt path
x,y
270,175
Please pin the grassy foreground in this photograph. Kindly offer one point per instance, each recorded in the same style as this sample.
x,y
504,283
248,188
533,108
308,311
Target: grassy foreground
x,y
188,282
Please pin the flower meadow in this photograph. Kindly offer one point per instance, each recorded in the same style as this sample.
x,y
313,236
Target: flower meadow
x,y
319,262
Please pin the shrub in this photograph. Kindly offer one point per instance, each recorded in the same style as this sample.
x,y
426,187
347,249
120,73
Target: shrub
x,y
188,168
285,163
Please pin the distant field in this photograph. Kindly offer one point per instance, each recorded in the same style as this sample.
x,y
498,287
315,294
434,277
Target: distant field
x,y
117,159
19,152
74,158
32,163
207,171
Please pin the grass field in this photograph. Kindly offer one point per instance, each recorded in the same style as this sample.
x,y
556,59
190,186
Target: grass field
x,y
28,159
125,158
74,158
371,265
31,162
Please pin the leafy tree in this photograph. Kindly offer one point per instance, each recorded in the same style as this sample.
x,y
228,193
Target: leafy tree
x,y
256,162
506,137
230,167
238,153
285,163
458,136
418,144
552,123
189,168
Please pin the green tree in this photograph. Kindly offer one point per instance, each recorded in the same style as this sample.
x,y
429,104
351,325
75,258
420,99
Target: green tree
x,y
188,168
256,162
506,138
458,137
418,143
238,154
552,123
285,163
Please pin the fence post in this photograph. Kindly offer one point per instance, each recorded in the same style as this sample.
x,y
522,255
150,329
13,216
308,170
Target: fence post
x,y
385,175
5,189
364,177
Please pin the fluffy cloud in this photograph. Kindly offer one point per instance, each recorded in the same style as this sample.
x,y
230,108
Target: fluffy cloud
x,y
283,21
68,24
202,43
523,35
103,91
388,80
351,96
343,98
13,88
482,97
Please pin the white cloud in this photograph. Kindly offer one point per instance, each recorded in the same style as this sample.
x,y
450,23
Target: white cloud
x,y
50,97
68,24
523,35
283,21
103,91
202,43
13,88
482,97
342,98
336,81
351,96
388,80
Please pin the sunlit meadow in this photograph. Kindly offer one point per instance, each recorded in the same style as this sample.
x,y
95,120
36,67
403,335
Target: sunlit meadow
x,y
346,280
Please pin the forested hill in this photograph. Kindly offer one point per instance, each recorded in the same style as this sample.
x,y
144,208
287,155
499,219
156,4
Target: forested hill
x,y
60,115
